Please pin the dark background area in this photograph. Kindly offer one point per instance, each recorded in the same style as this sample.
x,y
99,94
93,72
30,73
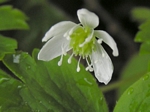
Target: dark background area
x,y
115,18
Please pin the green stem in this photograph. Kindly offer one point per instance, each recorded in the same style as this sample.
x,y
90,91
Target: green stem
x,y
120,83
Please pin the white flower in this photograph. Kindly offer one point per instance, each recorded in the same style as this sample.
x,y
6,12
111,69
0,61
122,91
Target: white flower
x,y
81,38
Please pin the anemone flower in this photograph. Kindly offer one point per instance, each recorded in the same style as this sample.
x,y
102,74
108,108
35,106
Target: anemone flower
x,y
84,41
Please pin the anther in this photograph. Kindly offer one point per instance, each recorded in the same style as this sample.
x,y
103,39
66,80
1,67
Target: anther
x,y
60,61
100,41
68,37
66,34
69,60
91,69
89,66
103,54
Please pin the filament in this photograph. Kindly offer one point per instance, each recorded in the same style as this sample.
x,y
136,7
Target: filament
x,y
89,66
78,66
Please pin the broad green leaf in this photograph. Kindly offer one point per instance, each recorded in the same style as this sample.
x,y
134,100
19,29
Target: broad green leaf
x,y
136,98
134,69
10,100
12,18
141,14
53,88
7,45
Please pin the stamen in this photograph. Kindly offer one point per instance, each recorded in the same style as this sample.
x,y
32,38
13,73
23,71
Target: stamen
x,y
63,50
60,61
66,34
73,29
103,54
78,67
87,61
87,39
100,41
69,60
96,61
68,38
91,69
63,53
89,66
81,45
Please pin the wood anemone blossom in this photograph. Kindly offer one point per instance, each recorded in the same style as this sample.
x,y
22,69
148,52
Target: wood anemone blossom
x,y
81,38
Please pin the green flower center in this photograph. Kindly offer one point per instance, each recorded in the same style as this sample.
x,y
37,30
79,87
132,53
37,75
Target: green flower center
x,y
78,37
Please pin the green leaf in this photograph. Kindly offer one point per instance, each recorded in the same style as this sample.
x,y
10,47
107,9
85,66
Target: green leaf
x,y
141,14
143,35
7,45
12,18
54,88
10,100
136,98
134,70
144,49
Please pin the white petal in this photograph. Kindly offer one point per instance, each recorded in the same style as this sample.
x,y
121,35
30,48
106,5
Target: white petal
x,y
108,40
53,48
88,18
102,64
57,29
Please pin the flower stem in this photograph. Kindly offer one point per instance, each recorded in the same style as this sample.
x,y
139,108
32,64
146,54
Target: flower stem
x,y
119,83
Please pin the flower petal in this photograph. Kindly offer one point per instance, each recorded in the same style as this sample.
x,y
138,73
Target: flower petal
x,y
54,48
102,64
57,29
88,18
108,40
